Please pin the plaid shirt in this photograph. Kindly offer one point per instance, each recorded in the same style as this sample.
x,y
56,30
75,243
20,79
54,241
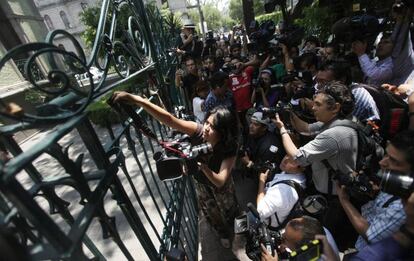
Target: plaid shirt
x,y
383,221
212,101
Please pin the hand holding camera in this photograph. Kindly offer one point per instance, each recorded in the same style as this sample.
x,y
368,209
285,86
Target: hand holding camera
x,y
179,73
279,123
263,176
359,47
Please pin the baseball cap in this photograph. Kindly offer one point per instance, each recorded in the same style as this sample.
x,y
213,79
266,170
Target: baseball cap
x,y
259,117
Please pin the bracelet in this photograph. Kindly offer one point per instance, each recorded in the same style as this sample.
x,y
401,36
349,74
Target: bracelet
x,y
284,132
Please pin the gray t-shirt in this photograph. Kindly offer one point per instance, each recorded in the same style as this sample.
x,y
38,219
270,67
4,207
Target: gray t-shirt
x,y
339,145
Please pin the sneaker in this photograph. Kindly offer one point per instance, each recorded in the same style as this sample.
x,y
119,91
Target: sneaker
x,y
225,242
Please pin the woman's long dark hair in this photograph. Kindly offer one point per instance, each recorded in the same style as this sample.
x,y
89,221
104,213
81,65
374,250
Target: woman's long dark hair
x,y
226,124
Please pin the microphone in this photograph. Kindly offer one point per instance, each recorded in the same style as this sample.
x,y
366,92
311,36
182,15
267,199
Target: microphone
x,y
253,210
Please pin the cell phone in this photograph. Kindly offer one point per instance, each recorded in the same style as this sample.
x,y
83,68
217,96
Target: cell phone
x,y
308,252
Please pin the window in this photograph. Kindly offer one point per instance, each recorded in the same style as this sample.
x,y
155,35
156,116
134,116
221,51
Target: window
x,y
48,23
65,19
84,6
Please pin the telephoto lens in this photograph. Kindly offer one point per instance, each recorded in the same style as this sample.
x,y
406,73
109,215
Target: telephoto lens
x,y
202,149
396,183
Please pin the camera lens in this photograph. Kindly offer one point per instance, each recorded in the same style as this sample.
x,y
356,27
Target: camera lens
x,y
201,149
396,183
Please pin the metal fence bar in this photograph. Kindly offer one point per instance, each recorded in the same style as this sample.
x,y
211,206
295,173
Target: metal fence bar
x,y
63,112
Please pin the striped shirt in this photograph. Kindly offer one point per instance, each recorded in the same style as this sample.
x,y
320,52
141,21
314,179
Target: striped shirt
x,y
338,145
365,106
376,73
383,220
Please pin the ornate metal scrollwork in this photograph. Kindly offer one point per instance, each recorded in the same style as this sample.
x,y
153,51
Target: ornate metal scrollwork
x,y
63,80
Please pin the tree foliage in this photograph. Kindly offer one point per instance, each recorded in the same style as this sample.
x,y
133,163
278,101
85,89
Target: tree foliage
x,y
316,21
275,17
90,18
236,10
213,17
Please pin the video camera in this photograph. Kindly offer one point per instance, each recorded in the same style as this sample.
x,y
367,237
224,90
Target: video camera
x,y
256,233
359,27
179,157
396,183
261,37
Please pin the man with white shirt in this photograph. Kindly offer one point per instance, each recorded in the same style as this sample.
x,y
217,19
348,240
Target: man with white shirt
x,y
376,72
277,198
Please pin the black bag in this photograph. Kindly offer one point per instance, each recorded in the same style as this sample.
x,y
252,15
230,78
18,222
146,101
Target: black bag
x,y
393,111
369,152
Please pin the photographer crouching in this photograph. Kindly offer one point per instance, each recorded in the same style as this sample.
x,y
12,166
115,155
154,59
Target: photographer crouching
x,y
277,198
216,196
261,146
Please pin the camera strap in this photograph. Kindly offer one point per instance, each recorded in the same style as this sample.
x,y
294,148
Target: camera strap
x,y
389,201
301,195
331,174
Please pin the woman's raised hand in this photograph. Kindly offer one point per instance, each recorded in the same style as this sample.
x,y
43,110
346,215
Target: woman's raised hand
x,y
125,97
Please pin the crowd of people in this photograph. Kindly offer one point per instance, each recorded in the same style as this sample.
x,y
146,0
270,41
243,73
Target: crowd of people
x,y
295,120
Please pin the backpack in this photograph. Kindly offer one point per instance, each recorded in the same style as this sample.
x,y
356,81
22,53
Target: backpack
x,y
393,111
370,152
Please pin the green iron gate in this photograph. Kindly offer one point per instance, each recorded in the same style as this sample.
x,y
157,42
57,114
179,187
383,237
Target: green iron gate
x,y
56,189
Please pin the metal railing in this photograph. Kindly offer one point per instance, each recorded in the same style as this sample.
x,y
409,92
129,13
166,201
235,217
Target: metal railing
x,y
75,178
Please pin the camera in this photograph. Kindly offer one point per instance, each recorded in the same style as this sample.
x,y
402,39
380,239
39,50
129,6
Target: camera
x,y
280,108
306,89
396,183
179,157
257,83
358,27
210,44
261,37
264,166
181,113
311,251
256,233
400,8
228,68
357,186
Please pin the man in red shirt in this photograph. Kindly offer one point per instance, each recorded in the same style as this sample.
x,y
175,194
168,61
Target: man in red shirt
x,y
240,84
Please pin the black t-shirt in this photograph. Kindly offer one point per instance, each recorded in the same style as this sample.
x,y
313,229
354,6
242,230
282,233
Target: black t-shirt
x,y
262,149
214,159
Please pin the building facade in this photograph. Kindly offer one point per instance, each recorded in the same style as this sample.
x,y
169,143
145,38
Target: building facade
x,y
64,14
